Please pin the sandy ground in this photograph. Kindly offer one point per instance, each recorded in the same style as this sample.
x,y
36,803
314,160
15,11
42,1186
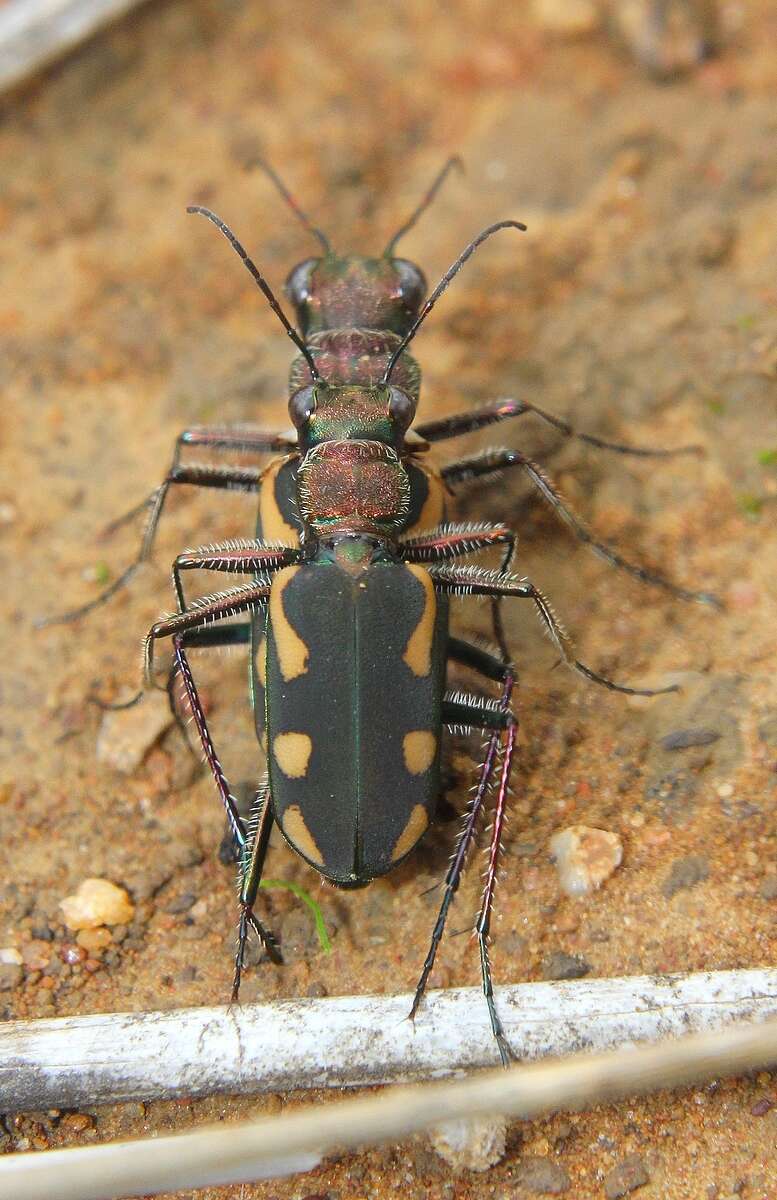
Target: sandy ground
x,y
641,304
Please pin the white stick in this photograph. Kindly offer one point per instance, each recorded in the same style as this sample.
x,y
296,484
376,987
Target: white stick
x,y
35,32
298,1141
353,1040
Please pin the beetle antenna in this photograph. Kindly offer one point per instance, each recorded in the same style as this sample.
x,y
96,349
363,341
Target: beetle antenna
x,y
301,216
442,285
262,284
439,180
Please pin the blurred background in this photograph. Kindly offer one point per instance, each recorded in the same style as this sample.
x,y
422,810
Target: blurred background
x,y
637,142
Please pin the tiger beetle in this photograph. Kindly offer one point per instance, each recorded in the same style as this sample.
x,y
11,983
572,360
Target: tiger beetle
x,y
351,574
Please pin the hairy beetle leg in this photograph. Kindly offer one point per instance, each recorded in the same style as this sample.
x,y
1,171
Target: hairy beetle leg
x,y
236,822
502,410
232,478
454,541
252,864
252,840
483,923
238,438
215,637
482,716
240,557
474,581
202,612
490,462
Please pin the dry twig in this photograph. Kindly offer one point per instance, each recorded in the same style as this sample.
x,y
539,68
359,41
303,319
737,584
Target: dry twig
x,y
298,1141
35,32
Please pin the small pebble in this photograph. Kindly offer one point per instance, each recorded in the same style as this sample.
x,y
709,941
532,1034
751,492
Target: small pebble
x,y
542,1176
769,888
472,1144
585,857
181,903
97,902
763,1106
683,739
76,1122
128,734
11,975
9,954
685,873
36,955
42,931
626,1177
133,1110
72,955
559,965
94,940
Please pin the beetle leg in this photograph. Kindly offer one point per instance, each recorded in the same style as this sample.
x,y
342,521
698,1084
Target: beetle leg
x,y
462,712
241,438
484,719
244,479
241,556
252,842
202,612
486,664
236,823
478,659
483,923
501,410
472,711
454,541
238,438
473,581
253,854
215,636
227,635
492,461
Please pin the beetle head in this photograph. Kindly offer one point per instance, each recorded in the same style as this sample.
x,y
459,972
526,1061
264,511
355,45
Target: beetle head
x,y
336,292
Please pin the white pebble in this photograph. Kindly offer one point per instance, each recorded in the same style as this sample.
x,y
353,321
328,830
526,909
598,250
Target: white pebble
x,y
470,1143
585,857
97,902
127,734
9,954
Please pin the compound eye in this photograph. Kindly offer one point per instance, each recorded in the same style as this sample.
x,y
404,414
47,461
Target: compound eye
x,y
302,406
400,407
298,283
411,282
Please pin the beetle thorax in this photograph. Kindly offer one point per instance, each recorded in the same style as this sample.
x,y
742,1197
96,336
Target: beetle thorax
x,y
356,485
